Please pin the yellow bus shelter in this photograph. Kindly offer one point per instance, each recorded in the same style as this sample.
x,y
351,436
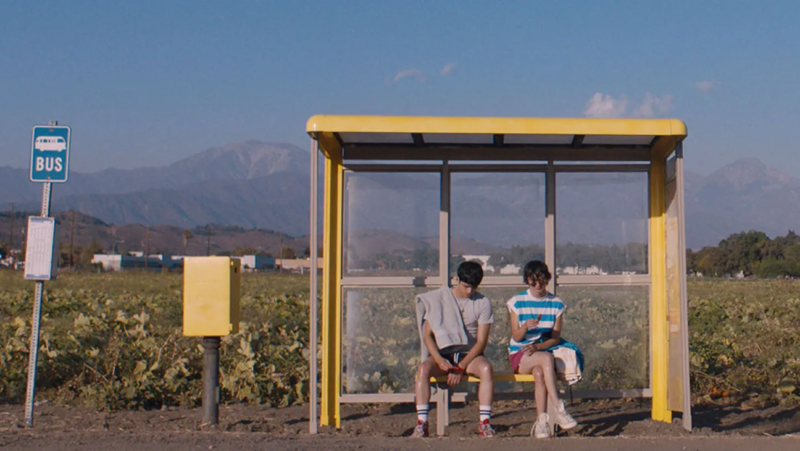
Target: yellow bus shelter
x,y
400,211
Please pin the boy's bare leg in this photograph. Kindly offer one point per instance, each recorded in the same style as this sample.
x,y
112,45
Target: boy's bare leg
x,y
427,369
481,367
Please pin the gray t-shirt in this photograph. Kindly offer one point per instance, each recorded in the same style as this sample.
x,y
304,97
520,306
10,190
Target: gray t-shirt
x,y
475,311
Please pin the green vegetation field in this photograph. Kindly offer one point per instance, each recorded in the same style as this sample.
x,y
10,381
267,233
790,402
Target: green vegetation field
x,y
113,341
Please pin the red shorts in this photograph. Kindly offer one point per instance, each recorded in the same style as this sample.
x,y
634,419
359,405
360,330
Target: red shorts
x,y
515,359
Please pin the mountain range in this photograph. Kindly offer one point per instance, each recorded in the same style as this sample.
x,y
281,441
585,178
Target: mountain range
x,y
266,185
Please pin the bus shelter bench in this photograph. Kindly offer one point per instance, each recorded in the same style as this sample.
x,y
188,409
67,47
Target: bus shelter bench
x,y
443,396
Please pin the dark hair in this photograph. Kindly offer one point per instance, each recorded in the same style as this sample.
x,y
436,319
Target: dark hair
x,y
535,269
470,273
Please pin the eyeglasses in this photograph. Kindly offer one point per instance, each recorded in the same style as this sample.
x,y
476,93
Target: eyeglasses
x,y
540,280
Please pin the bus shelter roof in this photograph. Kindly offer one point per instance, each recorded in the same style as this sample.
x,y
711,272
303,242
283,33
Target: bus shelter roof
x,y
494,138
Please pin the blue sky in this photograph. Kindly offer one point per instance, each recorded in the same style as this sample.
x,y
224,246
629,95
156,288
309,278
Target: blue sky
x,y
147,83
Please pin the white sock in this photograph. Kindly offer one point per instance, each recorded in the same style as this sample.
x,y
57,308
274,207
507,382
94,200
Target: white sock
x,y
543,418
422,412
485,412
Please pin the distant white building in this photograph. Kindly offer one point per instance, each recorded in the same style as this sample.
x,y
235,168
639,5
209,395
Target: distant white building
x,y
482,259
300,265
511,268
574,270
136,260
256,262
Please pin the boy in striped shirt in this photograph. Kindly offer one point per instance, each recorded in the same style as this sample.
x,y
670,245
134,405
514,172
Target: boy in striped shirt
x,y
536,320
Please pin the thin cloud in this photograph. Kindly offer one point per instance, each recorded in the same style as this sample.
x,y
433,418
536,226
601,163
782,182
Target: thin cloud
x,y
654,106
412,73
605,105
446,70
706,86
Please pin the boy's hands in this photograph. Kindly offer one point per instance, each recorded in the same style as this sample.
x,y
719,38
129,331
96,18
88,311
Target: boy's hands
x,y
443,364
454,373
454,378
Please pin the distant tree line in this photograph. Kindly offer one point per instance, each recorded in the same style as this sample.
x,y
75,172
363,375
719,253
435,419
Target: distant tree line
x,y
399,259
517,255
750,253
612,259
286,252
78,256
214,228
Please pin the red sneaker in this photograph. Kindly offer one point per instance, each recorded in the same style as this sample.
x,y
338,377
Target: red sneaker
x,y
485,429
421,430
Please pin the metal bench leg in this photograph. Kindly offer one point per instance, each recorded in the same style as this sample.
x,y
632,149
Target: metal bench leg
x,y
442,409
447,399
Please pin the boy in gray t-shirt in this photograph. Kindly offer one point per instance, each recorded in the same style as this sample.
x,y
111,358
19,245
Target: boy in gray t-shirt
x,y
455,361
475,310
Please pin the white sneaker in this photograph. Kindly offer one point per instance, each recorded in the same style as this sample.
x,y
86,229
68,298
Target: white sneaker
x,y
541,429
563,418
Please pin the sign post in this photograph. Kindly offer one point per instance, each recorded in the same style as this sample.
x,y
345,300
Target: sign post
x,y
49,164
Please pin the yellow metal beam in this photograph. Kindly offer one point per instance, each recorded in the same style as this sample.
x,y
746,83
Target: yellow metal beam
x,y
331,293
664,147
659,338
328,144
337,286
494,125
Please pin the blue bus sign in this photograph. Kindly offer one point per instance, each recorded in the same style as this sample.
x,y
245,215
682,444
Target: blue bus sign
x,y
50,153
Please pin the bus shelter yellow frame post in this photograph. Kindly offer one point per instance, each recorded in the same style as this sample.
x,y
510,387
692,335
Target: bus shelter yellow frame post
x,y
658,304
333,132
331,287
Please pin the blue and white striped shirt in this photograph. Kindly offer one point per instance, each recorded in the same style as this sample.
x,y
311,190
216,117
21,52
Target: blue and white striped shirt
x,y
526,306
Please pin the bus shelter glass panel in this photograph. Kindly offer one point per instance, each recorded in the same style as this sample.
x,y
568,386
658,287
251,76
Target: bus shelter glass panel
x,y
601,223
381,340
610,325
391,224
499,335
498,219
500,332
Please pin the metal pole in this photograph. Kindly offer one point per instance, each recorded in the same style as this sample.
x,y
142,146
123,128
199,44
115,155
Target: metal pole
x,y
146,245
313,414
72,241
33,353
33,349
684,311
211,380
11,232
550,224
444,223
47,189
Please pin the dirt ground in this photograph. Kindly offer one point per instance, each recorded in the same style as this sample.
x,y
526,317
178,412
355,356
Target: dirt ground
x,y
604,425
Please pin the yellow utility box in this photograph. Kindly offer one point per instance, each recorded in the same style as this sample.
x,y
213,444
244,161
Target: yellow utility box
x,y
211,291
